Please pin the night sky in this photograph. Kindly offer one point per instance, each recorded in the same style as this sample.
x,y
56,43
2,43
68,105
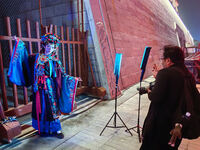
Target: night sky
x,y
189,11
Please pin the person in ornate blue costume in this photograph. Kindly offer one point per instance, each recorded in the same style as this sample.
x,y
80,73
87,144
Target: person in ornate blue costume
x,y
53,90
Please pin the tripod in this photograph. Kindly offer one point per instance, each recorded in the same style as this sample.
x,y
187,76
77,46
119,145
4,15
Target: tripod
x,y
142,66
115,114
138,119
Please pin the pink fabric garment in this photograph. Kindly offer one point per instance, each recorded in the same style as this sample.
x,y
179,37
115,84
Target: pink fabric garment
x,y
59,84
38,109
74,93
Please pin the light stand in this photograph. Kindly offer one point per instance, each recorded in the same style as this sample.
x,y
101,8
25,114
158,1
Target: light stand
x,y
137,127
143,67
115,114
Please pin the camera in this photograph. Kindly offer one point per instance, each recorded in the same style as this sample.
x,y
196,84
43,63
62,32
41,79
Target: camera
x,y
144,90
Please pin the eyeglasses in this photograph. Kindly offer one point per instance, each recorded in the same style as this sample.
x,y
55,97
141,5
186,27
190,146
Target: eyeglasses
x,y
161,58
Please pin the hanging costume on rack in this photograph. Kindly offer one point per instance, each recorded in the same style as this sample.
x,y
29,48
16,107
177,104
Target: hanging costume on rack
x,y
53,90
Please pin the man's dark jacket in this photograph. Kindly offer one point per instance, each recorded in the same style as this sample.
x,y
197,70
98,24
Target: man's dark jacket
x,y
165,99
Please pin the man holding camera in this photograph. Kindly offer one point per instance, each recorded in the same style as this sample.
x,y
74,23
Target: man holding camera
x,y
160,129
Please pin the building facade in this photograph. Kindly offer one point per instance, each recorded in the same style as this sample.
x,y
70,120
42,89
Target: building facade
x,y
114,26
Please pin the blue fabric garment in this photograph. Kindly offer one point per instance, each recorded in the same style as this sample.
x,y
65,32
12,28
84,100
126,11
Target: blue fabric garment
x,y
47,126
19,70
52,94
43,107
67,97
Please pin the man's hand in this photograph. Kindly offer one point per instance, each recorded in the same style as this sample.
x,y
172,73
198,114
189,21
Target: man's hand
x,y
148,91
176,132
155,70
142,90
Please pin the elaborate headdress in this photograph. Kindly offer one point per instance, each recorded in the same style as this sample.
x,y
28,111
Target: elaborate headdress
x,y
52,39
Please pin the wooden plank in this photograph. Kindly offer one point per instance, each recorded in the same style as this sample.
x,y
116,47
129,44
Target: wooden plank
x,y
19,34
38,40
88,58
37,34
55,30
82,16
79,56
8,27
19,31
63,48
46,29
71,42
99,92
3,84
78,16
68,52
51,28
72,16
27,130
20,110
40,9
81,90
74,52
22,38
29,35
84,65
85,62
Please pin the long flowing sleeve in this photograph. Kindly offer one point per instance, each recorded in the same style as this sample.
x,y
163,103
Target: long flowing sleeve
x,y
68,93
19,71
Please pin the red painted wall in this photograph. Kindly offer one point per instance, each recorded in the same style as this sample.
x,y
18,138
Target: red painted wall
x,y
127,26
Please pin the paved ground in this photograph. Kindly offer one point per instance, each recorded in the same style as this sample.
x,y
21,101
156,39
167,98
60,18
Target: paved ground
x,y
82,131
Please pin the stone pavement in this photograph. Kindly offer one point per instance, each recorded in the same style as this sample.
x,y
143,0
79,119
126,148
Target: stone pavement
x,y
82,131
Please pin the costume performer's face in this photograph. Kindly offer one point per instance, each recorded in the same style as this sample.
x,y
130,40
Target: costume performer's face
x,y
49,48
49,43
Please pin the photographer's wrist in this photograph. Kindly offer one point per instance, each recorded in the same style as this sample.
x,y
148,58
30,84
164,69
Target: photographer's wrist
x,y
148,90
178,125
